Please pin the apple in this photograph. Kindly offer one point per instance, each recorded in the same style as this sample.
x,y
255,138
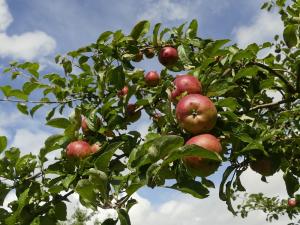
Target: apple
x,y
149,52
185,84
138,57
152,78
123,91
266,166
78,149
196,113
131,114
199,166
292,202
95,147
168,56
84,126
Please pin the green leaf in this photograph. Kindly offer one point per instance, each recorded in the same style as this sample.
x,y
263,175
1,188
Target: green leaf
x,y
29,87
192,187
68,180
6,90
102,162
109,221
22,108
19,94
291,183
104,36
60,210
230,103
192,29
99,180
86,190
140,29
59,123
226,174
35,108
290,35
22,202
123,217
3,143
246,72
25,165
156,41
191,150
183,54
4,191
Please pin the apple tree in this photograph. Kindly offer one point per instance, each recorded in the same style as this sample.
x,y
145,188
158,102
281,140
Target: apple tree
x,y
229,106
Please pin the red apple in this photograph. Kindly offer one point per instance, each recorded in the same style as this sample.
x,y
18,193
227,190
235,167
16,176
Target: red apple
x,y
168,56
197,165
186,84
152,78
196,113
131,114
292,202
123,91
84,126
266,166
78,149
149,53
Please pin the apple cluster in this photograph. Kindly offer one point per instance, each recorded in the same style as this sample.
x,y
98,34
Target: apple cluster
x,y
195,113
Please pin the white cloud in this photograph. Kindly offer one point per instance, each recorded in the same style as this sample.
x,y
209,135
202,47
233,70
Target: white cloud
x,y
262,28
29,141
5,16
27,46
165,10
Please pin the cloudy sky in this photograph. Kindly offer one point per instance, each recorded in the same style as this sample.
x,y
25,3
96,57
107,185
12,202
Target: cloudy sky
x,y
38,30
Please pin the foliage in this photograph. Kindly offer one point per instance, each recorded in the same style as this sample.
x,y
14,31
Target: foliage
x,y
251,124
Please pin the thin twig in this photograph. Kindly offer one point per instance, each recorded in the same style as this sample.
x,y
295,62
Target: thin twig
x,y
40,102
271,104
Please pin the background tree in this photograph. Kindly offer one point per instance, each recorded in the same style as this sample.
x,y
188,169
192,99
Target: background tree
x,y
106,91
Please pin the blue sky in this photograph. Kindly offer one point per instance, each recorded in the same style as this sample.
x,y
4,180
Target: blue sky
x,y
38,30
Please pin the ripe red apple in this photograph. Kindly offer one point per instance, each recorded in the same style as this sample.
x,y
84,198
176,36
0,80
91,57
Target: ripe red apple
x,y
123,91
185,83
78,149
149,53
152,78
197,165
84,126
138,57
292,202
196,113
266,166
168,56
131,114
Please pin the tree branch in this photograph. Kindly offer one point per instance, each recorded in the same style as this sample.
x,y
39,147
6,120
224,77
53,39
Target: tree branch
x,y
40,102
271,104
280,76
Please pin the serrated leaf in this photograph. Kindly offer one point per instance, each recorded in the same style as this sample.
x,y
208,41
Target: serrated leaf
x,y
68,180
140,29
183,54
86,190
225,176
59,123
